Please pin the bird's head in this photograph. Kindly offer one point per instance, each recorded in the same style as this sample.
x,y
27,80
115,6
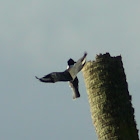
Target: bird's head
x,y
71,62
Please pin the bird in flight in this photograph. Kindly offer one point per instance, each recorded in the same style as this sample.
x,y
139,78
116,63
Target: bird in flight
x,y
69,75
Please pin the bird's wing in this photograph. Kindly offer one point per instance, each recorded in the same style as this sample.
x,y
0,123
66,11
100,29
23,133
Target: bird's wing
x,y
56,77
77,66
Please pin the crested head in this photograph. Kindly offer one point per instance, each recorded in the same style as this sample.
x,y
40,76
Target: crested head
x,y
71,62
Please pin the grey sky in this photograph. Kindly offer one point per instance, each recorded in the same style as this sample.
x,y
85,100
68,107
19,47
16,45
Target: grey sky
x,y
38,37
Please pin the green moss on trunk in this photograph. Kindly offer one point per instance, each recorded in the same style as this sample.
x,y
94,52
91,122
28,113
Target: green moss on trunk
x,y
109,99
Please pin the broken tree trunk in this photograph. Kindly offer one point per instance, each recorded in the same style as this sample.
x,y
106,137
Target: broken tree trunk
x,y
109,99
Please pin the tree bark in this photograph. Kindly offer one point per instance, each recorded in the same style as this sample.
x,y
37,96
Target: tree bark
x,y
110,103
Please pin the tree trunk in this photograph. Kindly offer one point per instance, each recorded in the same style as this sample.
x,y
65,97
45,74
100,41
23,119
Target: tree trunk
x,y
109,99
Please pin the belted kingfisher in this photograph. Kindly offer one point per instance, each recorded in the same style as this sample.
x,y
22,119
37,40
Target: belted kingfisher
x,y
70,74
73,83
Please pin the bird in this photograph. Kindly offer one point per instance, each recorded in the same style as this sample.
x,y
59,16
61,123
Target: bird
x,y
73,83
69,75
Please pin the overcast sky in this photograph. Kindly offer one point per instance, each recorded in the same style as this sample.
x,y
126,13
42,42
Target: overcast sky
x,y
38,37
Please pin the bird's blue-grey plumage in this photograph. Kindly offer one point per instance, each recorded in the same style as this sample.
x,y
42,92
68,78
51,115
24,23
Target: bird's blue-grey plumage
x,y
69,74
77,67
56,77
73,83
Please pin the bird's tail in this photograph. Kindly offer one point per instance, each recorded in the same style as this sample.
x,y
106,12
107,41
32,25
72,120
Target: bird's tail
x,y
76,93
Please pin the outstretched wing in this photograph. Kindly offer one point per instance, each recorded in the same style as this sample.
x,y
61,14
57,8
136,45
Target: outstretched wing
x,y
56,76
77,66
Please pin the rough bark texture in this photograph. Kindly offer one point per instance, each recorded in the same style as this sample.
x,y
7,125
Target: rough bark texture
x,y
109,99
